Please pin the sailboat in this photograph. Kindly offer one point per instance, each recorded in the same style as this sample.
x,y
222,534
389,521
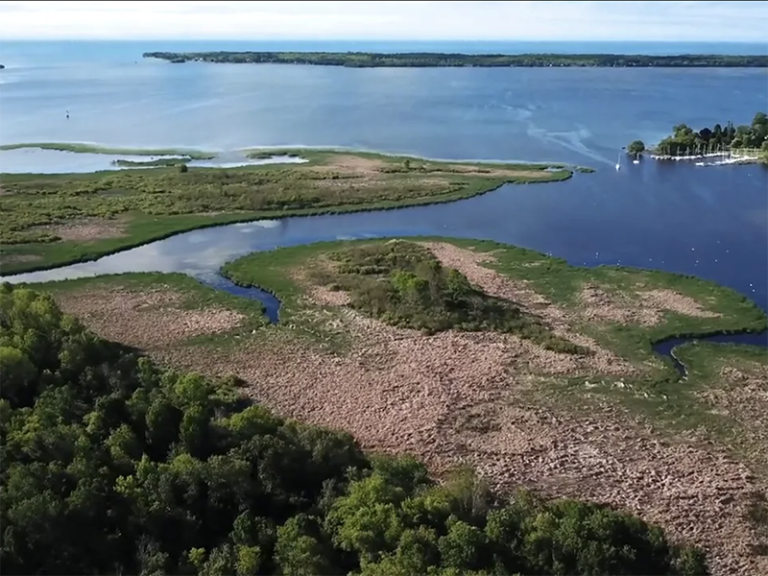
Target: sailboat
x,y
618,161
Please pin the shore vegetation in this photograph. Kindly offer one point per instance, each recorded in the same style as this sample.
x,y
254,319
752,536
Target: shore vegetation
x,y
156,163
685,141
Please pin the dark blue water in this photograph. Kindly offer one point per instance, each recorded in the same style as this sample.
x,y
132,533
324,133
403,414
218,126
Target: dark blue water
x,y
270,301
667,347
709,222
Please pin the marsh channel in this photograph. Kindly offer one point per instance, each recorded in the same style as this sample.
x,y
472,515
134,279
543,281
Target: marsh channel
x,y
649,215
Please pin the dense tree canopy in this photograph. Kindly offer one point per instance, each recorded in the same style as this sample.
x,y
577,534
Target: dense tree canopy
x,y
114,466
685,140
636,147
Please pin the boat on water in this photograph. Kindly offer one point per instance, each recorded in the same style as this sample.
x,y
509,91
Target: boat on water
x,y
618,162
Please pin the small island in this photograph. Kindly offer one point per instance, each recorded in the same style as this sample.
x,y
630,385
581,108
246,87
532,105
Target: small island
x,y
439,60
743,143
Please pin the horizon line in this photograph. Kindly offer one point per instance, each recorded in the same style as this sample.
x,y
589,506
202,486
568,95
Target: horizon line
x,y
392,40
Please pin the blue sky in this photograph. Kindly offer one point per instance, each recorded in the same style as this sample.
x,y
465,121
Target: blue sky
x,y
373,20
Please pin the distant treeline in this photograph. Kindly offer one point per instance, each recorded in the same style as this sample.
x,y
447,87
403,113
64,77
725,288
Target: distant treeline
x,y
426,60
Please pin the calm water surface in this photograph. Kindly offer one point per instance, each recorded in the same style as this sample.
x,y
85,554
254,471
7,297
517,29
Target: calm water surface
x,y
711,222
581,115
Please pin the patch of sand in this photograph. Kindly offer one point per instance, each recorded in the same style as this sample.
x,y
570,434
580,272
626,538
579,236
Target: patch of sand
x,y
18,258
86,230
646,308
146,320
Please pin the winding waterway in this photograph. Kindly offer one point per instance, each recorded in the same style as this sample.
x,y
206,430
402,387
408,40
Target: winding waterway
x,y
606,218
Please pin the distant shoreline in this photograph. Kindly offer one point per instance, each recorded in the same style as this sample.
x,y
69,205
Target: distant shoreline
x,y
445,60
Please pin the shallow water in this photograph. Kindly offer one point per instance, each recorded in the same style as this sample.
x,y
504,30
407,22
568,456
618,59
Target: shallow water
x,y
710,222
40,161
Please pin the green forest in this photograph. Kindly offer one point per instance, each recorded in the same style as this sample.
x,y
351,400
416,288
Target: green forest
x,y
685,140
112,465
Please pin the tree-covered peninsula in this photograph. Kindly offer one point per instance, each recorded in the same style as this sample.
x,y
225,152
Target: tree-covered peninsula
x,y
434,60
685,141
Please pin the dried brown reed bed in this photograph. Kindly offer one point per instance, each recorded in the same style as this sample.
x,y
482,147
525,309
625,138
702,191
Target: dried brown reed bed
x,y
463,398
86,230
350,163
372,168
148,320
399,391
742,394
643,307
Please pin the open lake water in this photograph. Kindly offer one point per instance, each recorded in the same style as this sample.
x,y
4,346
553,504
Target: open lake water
x,y
707,221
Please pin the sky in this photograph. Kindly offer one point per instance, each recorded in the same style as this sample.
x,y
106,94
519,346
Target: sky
x,y
375,20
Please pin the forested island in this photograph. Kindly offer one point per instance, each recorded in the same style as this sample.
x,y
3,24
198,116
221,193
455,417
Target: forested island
x,y
434,60
685,141
112,465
